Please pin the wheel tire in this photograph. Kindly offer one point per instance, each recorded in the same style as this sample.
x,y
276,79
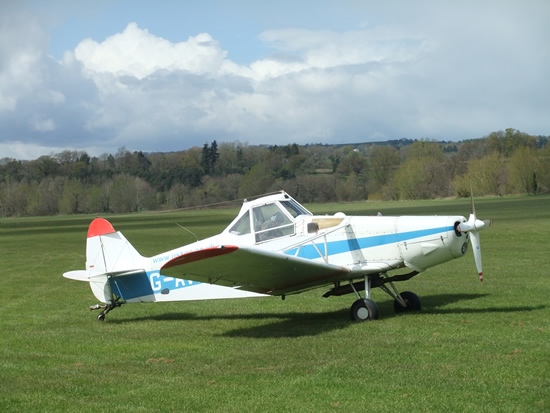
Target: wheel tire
x,y
101,317
412,300
363,310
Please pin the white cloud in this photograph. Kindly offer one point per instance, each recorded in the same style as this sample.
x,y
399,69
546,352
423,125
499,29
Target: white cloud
x,y
281,96
136,52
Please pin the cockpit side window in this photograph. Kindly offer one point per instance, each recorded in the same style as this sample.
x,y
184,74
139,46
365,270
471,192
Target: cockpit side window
x,y
294,208
242,226
271,222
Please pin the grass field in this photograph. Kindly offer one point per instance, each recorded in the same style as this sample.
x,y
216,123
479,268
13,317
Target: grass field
x,y
473,347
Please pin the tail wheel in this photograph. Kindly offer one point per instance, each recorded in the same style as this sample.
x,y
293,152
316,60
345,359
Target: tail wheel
x,y
364,309
412,301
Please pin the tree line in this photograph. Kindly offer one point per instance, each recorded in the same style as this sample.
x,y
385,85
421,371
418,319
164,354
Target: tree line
x,y
72,182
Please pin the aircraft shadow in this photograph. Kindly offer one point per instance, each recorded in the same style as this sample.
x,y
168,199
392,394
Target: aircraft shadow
x,y
284,324
303,324
431,304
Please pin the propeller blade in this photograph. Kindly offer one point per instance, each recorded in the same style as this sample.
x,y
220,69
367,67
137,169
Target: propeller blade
x,y
476,247
473,208
473,226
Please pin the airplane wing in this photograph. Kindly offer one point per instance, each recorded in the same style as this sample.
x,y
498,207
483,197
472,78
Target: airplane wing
x,y
252,269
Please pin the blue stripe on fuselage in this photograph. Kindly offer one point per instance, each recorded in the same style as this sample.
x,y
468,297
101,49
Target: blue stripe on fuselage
x,y
146,283
353,244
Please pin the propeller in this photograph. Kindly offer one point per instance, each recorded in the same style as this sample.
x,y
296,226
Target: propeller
x,y
473,226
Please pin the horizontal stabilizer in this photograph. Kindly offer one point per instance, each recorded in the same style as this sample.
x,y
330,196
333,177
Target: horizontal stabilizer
x,y
82,275
79,275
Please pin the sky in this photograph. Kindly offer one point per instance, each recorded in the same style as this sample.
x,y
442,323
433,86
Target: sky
x,y
151,76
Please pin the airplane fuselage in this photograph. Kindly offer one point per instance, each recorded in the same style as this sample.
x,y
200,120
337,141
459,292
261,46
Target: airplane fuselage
x,y
364,244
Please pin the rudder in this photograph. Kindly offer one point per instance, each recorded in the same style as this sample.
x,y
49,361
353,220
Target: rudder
x,y
108,253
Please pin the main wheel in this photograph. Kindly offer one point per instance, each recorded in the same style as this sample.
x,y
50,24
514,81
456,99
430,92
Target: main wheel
x,y
364,309
412,300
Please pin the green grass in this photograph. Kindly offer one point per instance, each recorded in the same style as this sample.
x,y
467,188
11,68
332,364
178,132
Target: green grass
x,y
474,346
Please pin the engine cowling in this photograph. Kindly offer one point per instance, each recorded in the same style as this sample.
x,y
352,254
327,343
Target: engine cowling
x,y
433,240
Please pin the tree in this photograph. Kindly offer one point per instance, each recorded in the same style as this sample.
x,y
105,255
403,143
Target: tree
x,y
123,194
486,174
505,143
71,201
355,168
316,160
352,189
177,195
312,188
425,149
384,162
44,198
334,161
164,169
145,195
523,168
209,158
461,186
97,198
471,149
43,167
227,162
256,181
544,174
11,170
227,187
409,181
424,174
353,162
191,172
14,198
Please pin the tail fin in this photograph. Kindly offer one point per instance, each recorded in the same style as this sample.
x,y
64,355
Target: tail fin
x,y
107,252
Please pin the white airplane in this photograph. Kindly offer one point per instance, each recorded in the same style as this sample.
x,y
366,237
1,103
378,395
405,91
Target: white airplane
x,y
277,247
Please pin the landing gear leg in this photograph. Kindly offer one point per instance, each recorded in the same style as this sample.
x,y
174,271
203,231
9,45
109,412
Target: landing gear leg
x,y
412,302
403,302
363,309
106,308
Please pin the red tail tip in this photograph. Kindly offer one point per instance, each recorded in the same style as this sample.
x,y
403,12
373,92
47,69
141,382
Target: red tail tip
x,y
481,276
100,226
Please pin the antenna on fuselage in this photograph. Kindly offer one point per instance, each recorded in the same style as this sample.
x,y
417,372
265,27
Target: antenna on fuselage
x,y
191,232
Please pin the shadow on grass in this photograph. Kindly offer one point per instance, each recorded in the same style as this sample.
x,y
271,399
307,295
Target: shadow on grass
x,y
431,304
302,324
275,324
295,325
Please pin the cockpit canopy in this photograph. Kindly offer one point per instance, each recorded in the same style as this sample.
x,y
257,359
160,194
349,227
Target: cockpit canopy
x,y
268,218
